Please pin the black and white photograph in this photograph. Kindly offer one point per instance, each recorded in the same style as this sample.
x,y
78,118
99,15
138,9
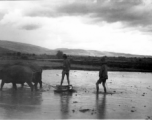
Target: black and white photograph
x,y
76,59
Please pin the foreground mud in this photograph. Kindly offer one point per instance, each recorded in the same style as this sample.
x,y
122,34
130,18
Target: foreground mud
x,y
128,97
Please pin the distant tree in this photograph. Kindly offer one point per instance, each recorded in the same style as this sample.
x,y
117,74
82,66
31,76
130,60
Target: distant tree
x,y
24,57
59,54
14,54
18,53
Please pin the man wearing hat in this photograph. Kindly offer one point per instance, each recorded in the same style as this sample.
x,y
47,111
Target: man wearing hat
x,y
103,75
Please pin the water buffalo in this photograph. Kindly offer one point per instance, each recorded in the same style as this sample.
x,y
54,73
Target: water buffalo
x,y
37,73
17,74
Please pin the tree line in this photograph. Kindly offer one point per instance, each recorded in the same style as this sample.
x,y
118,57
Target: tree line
x,y
121,63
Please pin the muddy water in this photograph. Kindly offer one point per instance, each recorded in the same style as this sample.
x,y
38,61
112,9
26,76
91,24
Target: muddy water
x,y
129,96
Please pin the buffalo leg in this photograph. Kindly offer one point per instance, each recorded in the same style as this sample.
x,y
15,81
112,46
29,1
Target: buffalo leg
x,y
31,85
2,84
40,84
22,85
35,85
40,79
14,86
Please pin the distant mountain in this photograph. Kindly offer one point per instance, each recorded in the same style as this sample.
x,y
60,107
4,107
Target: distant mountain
x,y
9,46
95,53
22,47
4,51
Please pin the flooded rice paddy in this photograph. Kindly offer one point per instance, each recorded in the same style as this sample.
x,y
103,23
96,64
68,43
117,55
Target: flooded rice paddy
x,y
129,97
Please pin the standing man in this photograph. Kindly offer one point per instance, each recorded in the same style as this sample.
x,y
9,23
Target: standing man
x,y
103,75
66,69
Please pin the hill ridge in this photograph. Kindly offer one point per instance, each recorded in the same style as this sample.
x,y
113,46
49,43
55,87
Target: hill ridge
x,y
11,46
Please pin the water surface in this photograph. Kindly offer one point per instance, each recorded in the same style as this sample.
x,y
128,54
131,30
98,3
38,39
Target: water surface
x,y
129,96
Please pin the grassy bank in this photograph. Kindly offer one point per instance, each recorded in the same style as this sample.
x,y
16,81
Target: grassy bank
x,y
57,64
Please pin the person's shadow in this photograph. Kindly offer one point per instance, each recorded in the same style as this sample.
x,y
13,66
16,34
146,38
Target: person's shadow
x,y
64,104
101,106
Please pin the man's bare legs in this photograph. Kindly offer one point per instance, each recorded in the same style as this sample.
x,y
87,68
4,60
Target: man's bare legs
x,y
97,86
103,84
68,78
63,74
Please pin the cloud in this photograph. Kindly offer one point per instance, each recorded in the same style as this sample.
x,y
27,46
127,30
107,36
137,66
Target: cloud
x,y
46,8
15,18
130,12
30,27
18,0
1,16
41,12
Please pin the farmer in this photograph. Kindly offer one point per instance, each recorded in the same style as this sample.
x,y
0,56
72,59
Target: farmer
x,y
66,68
103,75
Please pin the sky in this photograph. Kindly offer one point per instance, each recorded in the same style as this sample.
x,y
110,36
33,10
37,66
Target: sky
x,y
123,26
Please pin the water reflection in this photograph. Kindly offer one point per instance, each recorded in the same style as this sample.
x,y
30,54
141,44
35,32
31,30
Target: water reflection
x,y
64,103
15,104
101,106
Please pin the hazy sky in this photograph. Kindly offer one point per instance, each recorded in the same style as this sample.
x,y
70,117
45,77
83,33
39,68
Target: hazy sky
x,y
107,25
